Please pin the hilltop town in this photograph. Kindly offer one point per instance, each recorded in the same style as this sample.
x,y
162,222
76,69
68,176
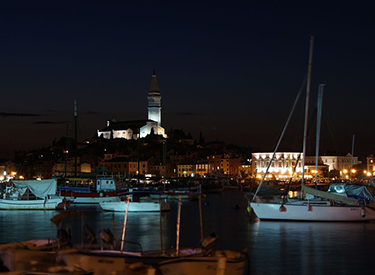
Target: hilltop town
x,y
141,149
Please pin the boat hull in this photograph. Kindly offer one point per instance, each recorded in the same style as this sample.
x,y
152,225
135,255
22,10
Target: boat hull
x,y
222,262
49,204
104,264
311,212
120,206
229,261
91,199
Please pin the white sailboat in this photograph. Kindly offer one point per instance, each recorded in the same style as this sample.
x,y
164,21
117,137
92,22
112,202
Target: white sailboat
x,y
317,205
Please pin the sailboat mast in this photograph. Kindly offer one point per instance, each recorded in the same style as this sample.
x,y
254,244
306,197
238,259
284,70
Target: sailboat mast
x,y
318,122
308,85
351,159
75,137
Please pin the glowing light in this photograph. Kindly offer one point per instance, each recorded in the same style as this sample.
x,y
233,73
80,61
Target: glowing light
x,y
368,174
354,171
21,177
345,171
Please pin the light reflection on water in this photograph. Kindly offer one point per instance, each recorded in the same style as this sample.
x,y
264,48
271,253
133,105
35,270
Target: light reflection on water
x,y
274,247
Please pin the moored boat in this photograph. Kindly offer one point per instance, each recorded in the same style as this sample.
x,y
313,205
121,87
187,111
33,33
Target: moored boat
x,y
135,206
89,190
217,262
32,195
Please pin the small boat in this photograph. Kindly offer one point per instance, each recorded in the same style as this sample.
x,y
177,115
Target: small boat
x,y
136,201
217,262
30,245
32,195
104,263
171,194
89,190
24,261
135,206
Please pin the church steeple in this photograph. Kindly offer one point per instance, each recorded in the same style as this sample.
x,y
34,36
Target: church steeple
x,y
154,100
154,88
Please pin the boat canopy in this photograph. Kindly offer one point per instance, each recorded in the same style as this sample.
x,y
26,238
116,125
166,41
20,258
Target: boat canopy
x,y
40,188
328,195
356,191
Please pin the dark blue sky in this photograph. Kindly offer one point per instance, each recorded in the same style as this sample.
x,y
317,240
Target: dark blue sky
x,y
230,69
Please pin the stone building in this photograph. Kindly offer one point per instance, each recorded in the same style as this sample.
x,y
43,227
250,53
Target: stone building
x,y
138,128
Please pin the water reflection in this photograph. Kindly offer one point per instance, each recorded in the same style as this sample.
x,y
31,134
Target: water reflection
x,y
311,248
25,225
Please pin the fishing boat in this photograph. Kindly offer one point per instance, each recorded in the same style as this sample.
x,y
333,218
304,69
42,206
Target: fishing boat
x,y
32,195
89,190
316,205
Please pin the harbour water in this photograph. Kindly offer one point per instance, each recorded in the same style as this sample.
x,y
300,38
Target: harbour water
x,y
273,247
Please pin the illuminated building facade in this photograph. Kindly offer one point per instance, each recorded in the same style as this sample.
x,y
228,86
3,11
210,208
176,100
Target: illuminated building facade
x,y
338,163
199,170
185,170
138,128
224,164
282,165
370,165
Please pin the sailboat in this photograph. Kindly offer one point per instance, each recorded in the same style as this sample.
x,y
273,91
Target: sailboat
x,y
317,205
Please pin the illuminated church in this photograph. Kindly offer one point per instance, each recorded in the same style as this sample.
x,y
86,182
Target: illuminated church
x,y
139,128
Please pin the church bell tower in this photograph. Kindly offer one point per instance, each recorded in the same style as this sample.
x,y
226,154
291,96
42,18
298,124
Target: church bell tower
x,y
154,101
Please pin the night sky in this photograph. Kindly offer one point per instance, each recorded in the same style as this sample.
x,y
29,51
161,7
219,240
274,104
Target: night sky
x,y
230,69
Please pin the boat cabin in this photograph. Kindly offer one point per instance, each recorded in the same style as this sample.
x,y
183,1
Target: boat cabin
x,y
86,185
